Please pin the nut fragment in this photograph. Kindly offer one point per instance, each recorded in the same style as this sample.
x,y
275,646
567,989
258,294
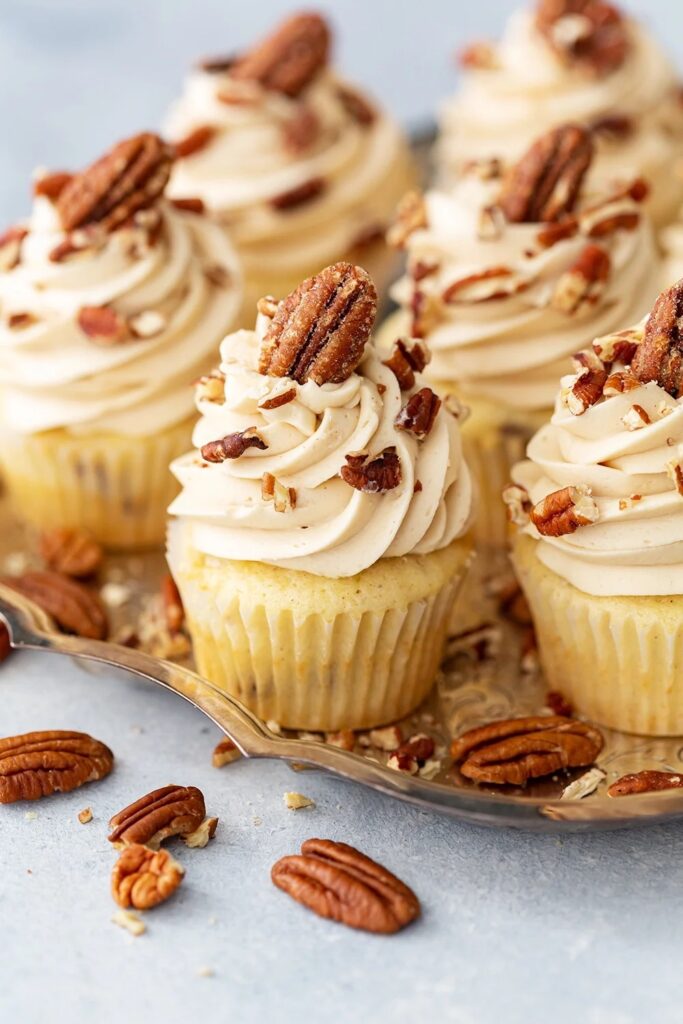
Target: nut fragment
x,y
485,286
38,764
170,811
5,645
85,816
338,882
297,801
143,878
584,282
411,216
564,511
103,325
356,106
10,247
232,446
51,185
648,781
419,413
198,839
586,390
300,194
130,921
674,471
588,34
518,504
225,753
545,184
375,477
290,58
659,356
71,551
480,56
407,358
300,132
75,608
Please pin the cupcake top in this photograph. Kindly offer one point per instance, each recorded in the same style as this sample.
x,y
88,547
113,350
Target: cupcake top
x,y
314,454
581,60
277,144
603,485
508,272
110,297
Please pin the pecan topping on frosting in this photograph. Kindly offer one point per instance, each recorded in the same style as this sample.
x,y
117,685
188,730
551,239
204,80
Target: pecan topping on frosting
x,y
659,356
564,511
590,34
407,358
130,177
374,477
289,59
233,445
419,413
319,331
544,185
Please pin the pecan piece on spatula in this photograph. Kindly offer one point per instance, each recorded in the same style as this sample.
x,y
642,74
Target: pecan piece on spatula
x,y
337,881
544,185
165,812
319,331
38,764
659,355
289,59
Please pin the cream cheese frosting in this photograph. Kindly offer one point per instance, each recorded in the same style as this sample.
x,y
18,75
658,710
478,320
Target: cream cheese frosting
x,y
330,528
499,110
512,348
173,267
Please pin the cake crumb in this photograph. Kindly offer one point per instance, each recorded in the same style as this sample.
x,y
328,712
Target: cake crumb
x,y
206,972
31,815
130,921
85,815
296,801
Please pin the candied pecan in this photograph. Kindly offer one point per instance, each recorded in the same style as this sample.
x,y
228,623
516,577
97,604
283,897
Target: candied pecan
x,y
515,750
225,753
659,356
485,285
419,413
338,882
51,185
38,764
411,216
647,781
197,140
558,704
298,195
586,390
71,551
170,811
301,131
319,331
564,511
233,445
584,281
545,184
143,878
75,608
103,325
407,358
375,477
173,604
10,247
419,747
356,106
130,177
589,34
290,58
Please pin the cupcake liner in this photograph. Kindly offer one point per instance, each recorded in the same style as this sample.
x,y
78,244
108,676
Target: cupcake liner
x,y
258,634
618,660
118,488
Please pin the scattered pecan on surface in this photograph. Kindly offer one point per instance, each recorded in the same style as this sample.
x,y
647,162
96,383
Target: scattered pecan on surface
x,y
298,195
564,511
290,58
39,764
233,445
588,34
411,215
169,811
173,604
224,753
337,881
143,878
408,357
544,185
74,607
512,751
659,356
319,331
194,142
51,185
103,325
375,477
419,413
71,552
648,781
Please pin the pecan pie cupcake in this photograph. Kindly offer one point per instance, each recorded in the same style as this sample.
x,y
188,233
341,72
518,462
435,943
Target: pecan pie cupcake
x,y
112,298
579,60
319,538
300,167
600,547
508,273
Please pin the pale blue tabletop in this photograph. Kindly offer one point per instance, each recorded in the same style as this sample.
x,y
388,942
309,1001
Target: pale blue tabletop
x,y
517,927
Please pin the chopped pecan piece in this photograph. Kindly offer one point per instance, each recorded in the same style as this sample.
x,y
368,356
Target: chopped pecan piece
x,y
584,282
419,413
674,471
232,446
619,382
275,401
618,348
39,764
485,285
10,247
143,878
558,704
648,781
564,511
103,325
518,504
614,127
659,356
319,331
558,232
75,608
338,882
19,321
299,195
411,216
191,204
194,142
636,418
71,551
512,751
173,604
419,747
283,498
290,58
225,753
51,185
588,34
170,811
301,131
545,184
356,106
375,477
407,358
586,390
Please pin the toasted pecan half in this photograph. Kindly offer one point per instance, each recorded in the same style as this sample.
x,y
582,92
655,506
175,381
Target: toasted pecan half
x,y
544,185
38,764
659,356
289,59
165,812
588,34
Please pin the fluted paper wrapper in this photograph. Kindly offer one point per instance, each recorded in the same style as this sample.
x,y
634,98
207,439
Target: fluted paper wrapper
x,y
618,660
116,487
315,653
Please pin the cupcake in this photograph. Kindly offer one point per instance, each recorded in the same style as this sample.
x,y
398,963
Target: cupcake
x,y
319,540
600,549
578,60
300,167
112,297
508,273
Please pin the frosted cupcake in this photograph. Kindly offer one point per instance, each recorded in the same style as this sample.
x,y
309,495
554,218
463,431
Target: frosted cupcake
x,y
507,275
112,298
300,167
600,551
579,60
318,541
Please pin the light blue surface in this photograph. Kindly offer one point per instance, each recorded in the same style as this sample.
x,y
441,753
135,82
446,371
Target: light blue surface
x,y
516,927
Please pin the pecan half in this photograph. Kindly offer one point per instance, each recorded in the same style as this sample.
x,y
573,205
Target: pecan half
x,y
75,608
407,358
194,142
103,325
356,106
375,477
143,878
299,195
71,552
170,811
545,184
659,356
564,511
588,34
290,58
338,882
584,282
648,781
411,216
419,413
512,751
38,764
233,445
320,330
130,177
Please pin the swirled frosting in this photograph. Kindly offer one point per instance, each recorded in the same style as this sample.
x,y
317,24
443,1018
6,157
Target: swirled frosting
x,y
513,348
635,547
182,271
498,111
332,529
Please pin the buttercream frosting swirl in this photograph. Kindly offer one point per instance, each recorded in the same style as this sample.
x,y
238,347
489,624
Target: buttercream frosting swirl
x,y
332,529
